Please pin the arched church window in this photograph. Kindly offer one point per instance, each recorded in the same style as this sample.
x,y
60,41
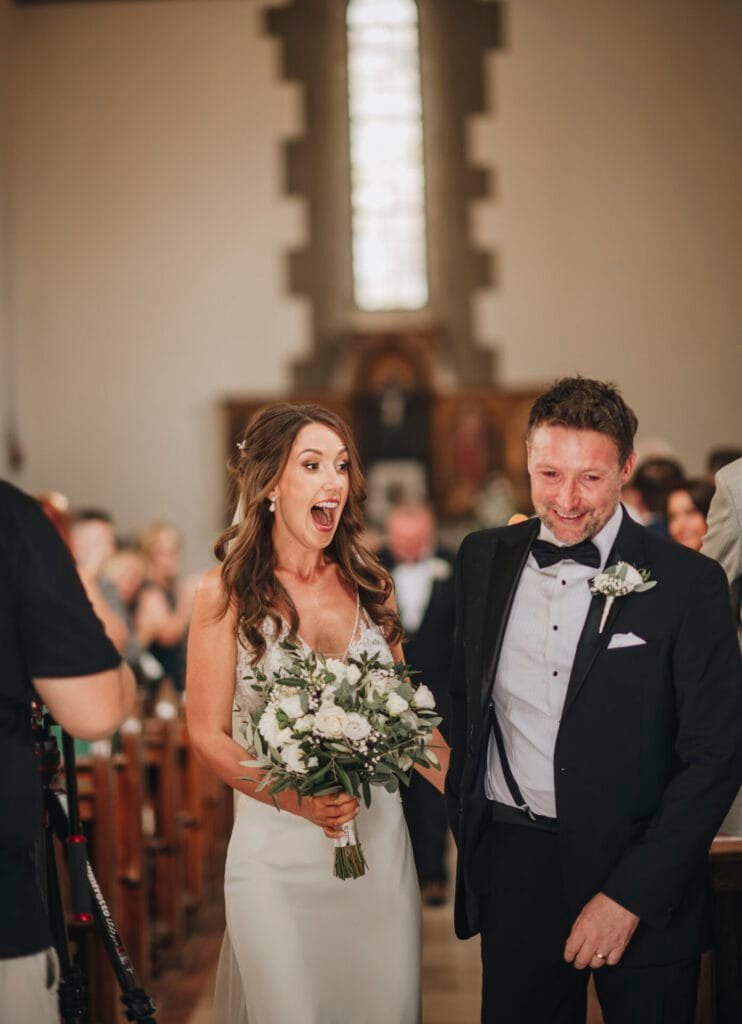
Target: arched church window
x,y
386,155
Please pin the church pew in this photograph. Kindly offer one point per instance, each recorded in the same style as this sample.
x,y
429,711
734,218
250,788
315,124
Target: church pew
x,y
721,980
133,918
96,791
163,843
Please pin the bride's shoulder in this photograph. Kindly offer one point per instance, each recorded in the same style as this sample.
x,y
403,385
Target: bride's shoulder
x,y
209,599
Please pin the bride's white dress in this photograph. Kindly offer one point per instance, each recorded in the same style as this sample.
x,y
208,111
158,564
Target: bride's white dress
x,y
304,947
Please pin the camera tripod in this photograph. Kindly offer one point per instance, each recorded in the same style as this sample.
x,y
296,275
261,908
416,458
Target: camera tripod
x,y
62,819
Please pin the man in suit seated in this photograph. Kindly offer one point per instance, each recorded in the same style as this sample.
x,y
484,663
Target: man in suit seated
x,y
596,735
423,580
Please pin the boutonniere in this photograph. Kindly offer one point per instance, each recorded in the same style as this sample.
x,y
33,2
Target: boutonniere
x,y
440,569
617,581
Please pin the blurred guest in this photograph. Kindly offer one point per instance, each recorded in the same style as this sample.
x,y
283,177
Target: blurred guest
x,y
649,487
723,542
120,581
424,586
718,458
87,537
164,605
687,508
92,539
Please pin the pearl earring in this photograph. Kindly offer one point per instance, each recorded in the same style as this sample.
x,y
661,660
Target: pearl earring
x,y
272,506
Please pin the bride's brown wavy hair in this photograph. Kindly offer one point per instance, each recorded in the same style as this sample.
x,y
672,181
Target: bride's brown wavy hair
x,y
245,549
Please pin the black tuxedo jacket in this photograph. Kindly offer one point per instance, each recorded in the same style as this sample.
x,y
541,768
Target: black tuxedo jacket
x,y
648,756
430,649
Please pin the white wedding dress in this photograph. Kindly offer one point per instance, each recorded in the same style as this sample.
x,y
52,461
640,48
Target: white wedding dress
x,y
304,947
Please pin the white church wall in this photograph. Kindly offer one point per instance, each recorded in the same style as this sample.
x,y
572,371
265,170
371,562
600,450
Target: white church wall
x,y
148,268
615,135
150,228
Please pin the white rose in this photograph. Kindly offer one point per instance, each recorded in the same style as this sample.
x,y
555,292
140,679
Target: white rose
x,y
357,727
312,762
423,698
377,684
338,668
291,706
283,737
395,704
328,694
293,758
268,726
352,674
331,721
304,724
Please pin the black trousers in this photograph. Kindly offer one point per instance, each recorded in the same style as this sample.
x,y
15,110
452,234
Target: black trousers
x,y
427,822
525,925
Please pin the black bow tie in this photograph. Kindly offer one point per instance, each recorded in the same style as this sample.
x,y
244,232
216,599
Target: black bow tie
x,y
586,553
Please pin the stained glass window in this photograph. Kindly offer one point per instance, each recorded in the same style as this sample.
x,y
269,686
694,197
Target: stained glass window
x,y
386,155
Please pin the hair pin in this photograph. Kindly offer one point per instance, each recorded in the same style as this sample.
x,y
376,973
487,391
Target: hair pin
x,y
242,445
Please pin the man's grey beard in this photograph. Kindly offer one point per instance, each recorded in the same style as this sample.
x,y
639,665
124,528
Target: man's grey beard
x,y
591,527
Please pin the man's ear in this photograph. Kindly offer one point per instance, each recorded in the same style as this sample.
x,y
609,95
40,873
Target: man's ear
x,y
628,468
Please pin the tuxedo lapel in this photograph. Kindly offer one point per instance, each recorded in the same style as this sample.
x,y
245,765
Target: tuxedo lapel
x,y
628,547
508,559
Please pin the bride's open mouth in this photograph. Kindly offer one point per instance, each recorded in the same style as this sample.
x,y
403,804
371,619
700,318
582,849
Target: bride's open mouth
x,y
323,515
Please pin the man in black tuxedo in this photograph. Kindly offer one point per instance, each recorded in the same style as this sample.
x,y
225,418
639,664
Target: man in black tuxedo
x,y
423,573
597,744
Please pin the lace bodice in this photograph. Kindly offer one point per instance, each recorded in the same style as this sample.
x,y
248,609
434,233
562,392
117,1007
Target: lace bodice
x,y
367,637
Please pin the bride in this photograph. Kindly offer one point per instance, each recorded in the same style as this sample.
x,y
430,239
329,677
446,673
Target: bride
x,y
301,946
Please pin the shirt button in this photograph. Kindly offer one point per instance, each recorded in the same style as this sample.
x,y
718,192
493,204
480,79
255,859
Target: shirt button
x,y
555,627
564,583
555,673
562,771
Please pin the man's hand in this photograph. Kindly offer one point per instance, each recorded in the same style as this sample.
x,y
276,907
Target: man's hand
x,y
600,934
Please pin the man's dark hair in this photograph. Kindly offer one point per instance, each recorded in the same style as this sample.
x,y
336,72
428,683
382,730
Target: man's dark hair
x,y
585,404
655,479
719,457
92,515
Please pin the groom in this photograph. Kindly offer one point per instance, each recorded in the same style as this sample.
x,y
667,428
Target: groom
x,y
597,743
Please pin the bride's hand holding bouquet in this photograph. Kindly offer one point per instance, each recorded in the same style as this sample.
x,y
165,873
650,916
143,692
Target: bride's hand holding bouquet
x,y
330,730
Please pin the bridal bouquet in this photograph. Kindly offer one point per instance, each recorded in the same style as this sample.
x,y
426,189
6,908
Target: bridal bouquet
x,y
328,726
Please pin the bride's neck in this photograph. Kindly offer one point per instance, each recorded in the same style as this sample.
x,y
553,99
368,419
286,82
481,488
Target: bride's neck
x,y
302,563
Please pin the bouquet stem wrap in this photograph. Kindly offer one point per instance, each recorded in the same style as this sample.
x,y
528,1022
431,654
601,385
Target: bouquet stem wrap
x,y
349,859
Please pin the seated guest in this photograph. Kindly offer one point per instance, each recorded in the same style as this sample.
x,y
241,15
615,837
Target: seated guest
x,y
651,483
424,588
121,579
92,539
164,604
687,509
89,536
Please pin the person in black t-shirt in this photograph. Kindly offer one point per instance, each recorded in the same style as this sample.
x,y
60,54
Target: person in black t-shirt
x,y
50,641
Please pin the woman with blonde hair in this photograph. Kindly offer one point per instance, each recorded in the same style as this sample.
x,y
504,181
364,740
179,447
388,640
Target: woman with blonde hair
x,y
301,946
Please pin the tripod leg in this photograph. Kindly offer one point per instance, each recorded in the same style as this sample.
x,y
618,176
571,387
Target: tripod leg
x,y
72,981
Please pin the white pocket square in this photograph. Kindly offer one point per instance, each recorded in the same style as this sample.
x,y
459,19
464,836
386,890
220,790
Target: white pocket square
x,y
625,640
